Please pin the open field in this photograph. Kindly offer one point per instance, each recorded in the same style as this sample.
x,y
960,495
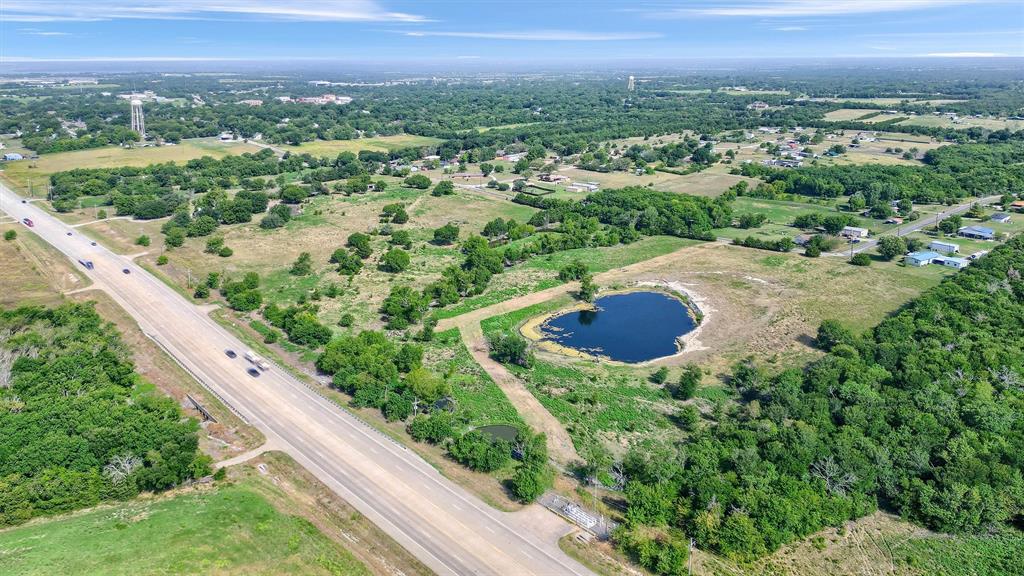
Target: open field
x,y
964,122
376,144
34,272
710,182
846,114
229,529
22,173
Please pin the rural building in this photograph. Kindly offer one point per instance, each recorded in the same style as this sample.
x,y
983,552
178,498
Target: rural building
x,y
783,163
894,220
977,232
553,177
854,232
1001,218
13,156
254,102
758,105
953,262
514,157
1017,205
923,258
226,136
583,187
944,247
802,239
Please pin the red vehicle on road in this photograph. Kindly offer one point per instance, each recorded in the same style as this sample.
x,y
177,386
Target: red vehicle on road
x,y
28,222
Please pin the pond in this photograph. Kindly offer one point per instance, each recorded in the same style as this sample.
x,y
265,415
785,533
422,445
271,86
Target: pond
x,y
500,432
629,327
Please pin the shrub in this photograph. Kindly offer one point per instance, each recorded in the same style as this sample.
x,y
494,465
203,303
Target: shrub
x,y
303,265
446,234
175,237
575,270
443,188
418,181
142,240
225,252
346,320
161,260
10,235
660,375
395,260
202,291
511,349
860,259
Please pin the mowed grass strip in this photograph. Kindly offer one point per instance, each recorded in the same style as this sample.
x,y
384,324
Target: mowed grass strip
x,y
376,144
228,530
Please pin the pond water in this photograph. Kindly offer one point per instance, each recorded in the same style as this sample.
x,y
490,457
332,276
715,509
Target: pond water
x,y
629,327
500,432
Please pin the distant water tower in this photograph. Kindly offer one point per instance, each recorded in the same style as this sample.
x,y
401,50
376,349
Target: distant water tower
x,y
138,119
631,84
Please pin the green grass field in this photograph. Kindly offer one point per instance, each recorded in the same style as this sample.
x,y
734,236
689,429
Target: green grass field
x,y
23,172
377,144
228,530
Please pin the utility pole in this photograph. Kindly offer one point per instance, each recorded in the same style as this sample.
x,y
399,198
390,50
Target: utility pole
x,y
689,559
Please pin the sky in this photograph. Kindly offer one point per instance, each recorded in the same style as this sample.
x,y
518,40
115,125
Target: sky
x,y
506,30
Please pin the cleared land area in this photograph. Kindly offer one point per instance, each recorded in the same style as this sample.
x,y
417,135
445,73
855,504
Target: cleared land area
x,y
845,114
964,122
710,182
21,173
224,530
376,144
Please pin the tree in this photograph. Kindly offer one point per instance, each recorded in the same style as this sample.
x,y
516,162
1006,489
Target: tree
x,y
660,375
951,225
403,306
142,240
426,385
395,260
530,482
832,333
689,380
574,270
860,259
175,237
890,247
588,289
348,262
418,181
293,194
446,234
303,265
511,349
401,238
361,244
443,188
10,235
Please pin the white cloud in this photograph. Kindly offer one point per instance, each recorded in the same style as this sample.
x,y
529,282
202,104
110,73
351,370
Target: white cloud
x,y
544,35
791,29
304,10
793,8
965,54
38,32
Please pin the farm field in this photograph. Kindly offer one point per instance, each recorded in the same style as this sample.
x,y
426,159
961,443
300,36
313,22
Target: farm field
x,y
846,114
710,182
964,122
376,144
226,530
21,173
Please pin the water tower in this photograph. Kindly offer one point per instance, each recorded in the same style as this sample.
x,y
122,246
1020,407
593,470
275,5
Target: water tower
x,y
138,119
631,84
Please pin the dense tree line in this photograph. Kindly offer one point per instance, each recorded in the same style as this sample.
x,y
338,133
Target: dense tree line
x,y
76,426
920,415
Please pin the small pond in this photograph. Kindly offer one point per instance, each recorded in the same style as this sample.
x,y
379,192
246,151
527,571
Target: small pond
x,y
500,432
628,327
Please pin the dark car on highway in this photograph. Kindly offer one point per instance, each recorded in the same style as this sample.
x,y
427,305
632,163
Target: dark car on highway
x,y
230,353
126,271
253,372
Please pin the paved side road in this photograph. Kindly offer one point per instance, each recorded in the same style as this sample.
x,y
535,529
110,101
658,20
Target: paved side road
x,y
910,227
447,528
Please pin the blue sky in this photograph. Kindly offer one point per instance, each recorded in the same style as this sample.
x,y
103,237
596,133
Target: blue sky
x,y
509,30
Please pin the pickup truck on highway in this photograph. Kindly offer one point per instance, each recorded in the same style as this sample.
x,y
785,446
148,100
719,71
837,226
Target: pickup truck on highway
x,y
28,222
257,361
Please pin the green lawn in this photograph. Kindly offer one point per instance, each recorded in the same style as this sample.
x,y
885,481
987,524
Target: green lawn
x,y
228,530
609,258
377,144
480,401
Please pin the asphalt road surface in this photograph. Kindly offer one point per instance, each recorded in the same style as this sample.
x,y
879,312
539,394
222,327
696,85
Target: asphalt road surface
x,y
910,227
447,528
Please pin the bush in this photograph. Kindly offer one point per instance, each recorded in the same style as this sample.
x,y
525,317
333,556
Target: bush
x,y
10,235
395,260
435,428
660,375
303,265
443,188
403,306
689,380
293,194
175,237
418,181
346,320
361,244
271,336
530,482
142,240
446,234
101,214
225,252
860,259
574,270
161,260
202,291
479,452
401,238
511,349
348,262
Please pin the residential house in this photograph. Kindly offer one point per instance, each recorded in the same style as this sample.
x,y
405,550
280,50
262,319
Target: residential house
x,y
977,232
1017,205
922,258
1001,218
953,262
944,247
854,232
13,156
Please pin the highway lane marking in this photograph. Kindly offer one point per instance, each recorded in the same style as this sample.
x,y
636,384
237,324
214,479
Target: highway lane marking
x,y
489,529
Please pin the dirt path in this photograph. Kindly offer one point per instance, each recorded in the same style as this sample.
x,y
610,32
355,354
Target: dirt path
x,y
560,447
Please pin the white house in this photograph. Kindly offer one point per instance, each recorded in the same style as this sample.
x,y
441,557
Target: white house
x,y
854,232
1001,218
944,247
923,258
953,262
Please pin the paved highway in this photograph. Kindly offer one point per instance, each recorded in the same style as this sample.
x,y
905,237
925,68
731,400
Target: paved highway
x,y
447,528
